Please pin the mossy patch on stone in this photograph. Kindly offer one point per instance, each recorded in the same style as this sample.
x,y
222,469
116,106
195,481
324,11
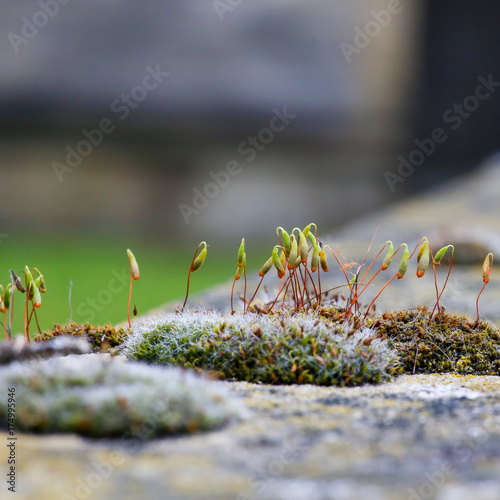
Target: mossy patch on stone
x,y
302,348
445,343
99,396
101,338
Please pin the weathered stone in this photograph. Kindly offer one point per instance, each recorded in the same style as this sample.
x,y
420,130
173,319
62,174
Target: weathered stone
x,y
433,437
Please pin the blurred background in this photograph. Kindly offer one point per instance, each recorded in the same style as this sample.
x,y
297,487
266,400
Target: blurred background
x,y
156,125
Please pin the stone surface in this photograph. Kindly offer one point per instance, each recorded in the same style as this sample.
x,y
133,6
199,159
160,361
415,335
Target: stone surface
x,y
432,437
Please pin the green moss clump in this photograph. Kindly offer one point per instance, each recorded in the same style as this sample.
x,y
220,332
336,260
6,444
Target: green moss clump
x,y
101,338
271,349
98,397
445,343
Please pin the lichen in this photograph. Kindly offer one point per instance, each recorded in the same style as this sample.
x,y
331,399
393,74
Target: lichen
x,y
303,348
100,396
19,350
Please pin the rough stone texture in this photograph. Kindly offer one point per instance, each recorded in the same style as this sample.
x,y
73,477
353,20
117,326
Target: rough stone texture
x,y
433,437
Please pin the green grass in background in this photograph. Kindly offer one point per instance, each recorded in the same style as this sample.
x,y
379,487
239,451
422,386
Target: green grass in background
x,y
99,270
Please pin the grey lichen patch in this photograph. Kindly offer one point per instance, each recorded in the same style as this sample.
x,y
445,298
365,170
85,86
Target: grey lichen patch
x,y
19,350
100,397
273,349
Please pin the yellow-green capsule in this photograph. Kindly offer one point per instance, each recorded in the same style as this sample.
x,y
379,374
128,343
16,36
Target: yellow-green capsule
x,y
403,265
487,264
440,254
312,238
314,258
6,297
303,247
292,258
134,267
37,298
30,291
323,261
307,230
421,249
286,240
423,259
29,276
40,283
198,262
277,262
265,268
42,286
388,256
241,253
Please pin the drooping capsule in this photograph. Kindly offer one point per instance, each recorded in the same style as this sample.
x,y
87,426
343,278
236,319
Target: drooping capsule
x,y
388,256
277,262
30,291
440,254
37,298
315,258
323,261
17,281
423,259
265,268
29,276
42,287
403,265
312,238
198,262
487,264
286,239
303,247
6,297
292,258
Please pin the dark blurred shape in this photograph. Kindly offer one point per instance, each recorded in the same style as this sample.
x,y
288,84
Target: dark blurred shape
x,y
461,50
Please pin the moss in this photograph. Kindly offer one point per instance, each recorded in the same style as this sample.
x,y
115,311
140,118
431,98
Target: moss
x,y
100,397
101,338
444,343
303,348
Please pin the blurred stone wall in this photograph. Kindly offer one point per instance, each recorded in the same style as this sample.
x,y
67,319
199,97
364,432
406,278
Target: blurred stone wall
x,y
96,134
